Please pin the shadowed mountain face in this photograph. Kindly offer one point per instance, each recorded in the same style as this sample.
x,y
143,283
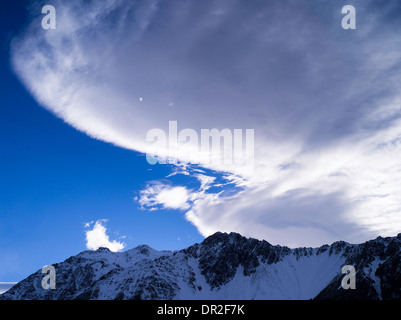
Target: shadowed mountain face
x,y
224,266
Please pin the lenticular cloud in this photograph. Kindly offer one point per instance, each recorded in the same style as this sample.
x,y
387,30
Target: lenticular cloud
x,y
323,102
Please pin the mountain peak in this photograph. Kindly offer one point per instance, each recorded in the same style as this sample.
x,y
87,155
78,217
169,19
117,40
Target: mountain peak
x,y
223,236
144,249
224,266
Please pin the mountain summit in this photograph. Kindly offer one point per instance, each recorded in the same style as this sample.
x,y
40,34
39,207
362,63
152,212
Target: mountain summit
x,y
227,267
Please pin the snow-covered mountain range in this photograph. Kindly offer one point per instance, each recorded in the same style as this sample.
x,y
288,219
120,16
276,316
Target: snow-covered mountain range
x,y
224,266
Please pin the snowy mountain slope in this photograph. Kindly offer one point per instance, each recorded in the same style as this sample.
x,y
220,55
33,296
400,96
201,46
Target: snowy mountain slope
x,y
224,266
378,266
4,286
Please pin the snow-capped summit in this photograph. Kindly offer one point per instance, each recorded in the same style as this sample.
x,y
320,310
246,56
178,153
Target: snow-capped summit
x,y
224,266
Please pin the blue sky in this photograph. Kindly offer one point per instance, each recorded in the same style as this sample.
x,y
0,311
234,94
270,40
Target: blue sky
x,y
78,103
55,179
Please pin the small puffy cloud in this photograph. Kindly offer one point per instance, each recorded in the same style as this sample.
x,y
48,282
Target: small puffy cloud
x,y
167,196
97,237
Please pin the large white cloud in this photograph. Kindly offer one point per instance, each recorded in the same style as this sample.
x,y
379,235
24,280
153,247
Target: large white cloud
x,y
323,102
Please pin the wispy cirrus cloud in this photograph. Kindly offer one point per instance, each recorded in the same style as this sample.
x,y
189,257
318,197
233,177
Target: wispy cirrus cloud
x,y
324,103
